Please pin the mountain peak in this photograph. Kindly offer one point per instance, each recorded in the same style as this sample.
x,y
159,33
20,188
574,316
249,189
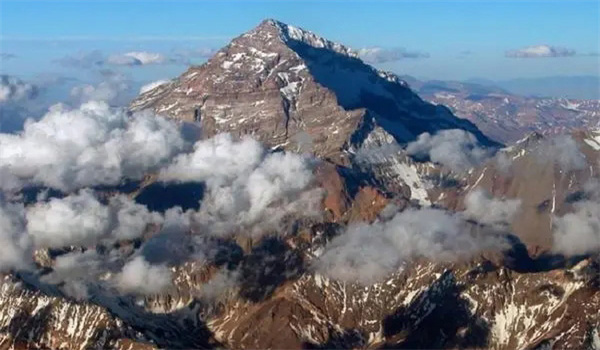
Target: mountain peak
x,y
271,28
290,88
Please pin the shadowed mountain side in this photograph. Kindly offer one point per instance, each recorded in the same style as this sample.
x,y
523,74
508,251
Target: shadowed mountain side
x,y
394,106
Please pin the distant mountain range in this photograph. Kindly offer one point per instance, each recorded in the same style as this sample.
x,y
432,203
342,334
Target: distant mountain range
x,y
506,116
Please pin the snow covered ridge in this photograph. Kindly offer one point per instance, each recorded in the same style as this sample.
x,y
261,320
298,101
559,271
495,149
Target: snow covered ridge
x,y
288,32
594,139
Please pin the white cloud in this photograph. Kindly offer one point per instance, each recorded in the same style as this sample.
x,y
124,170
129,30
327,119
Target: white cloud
x,y
366,253
382,55
111,90
81,220
247,189
16,99
136,58
140,277
152,85
74,220
540,51
456,149
578,232
88,146
13,89
484,208
15,244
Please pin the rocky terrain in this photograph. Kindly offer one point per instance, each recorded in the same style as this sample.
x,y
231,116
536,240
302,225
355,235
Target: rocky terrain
x,y
297,92
507,117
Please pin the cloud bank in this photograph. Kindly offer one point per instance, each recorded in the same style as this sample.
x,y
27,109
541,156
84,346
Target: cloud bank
x,y
91,145
540,51
367,253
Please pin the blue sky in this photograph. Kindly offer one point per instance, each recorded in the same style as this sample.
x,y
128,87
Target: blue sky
x,y
462,39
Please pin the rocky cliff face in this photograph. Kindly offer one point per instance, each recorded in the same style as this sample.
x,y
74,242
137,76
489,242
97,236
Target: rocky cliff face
x,y
295,91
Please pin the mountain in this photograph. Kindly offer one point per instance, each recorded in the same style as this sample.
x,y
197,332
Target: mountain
x,y
290,88
505,116
297,92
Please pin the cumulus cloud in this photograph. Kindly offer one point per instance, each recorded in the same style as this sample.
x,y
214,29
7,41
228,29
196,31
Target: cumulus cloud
x,y
142,278
540,51
578,232
369,252
13,89
481,206
456,149
152,85
15,244
16,96
247,188
383,55
88,146
111,90
136,58
81,220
